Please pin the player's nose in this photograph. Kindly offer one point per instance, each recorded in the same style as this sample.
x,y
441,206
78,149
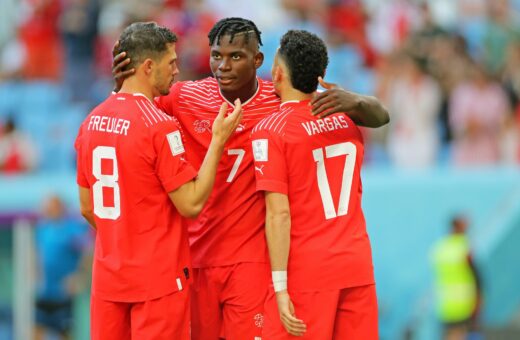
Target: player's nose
x,y
224,65
175,71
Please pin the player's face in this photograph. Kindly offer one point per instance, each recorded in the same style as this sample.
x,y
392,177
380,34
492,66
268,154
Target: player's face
x,y
275,75
234,63
165,71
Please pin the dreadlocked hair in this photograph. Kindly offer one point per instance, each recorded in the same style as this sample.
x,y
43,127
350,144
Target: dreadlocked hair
x,y
233,27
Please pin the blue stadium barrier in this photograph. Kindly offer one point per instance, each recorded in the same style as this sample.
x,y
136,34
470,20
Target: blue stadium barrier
x,y
406,213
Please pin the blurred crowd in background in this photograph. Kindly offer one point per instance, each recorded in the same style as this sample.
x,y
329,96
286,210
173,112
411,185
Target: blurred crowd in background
x,y
447,70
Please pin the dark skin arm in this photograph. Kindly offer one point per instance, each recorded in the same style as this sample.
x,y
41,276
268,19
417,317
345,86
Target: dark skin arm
x,y
118,67
364,111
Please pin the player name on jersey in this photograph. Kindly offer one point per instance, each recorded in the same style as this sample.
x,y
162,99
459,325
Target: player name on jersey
x,y
325,125
109,124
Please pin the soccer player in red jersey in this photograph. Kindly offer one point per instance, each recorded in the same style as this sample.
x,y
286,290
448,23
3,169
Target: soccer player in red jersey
x,y
135,184
309,170
227,242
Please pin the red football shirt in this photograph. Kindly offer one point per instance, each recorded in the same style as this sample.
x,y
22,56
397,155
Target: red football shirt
x,y
230,228
317,163
130,155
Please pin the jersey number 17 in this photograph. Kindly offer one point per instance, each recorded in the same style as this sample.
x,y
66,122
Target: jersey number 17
x,y
347,149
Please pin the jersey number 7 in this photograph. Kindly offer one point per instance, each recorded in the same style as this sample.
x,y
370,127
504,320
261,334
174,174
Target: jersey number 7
x,y
349,150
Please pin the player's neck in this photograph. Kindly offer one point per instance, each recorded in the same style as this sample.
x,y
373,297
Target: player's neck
x,y
291,94
245,93
135,85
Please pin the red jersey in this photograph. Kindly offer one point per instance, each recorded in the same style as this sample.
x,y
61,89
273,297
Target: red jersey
x,y
317,163
130,155
230,228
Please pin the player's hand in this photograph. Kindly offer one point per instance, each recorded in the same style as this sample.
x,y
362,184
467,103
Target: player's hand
x,y
291,324
333,100
224,126
118,64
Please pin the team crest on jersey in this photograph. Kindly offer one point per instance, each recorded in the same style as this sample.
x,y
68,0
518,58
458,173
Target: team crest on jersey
x,y
260,150
175,141
259,320
202,126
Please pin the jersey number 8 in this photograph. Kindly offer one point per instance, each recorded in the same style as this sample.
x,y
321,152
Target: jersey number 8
x,y
105,181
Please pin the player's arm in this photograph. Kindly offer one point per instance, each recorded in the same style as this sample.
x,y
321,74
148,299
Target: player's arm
x,y
365,111
119,71
85,205
278,235
189,199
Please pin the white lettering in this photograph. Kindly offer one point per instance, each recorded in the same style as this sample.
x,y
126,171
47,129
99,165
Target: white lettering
x,y
126,125
103,123
95,125
344,121
337,124
307,128
314,128
321,125
324,125
329,123
118,126
91,121
109,124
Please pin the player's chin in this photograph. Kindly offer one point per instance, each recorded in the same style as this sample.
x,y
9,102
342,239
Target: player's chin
x,y
164,91
228,87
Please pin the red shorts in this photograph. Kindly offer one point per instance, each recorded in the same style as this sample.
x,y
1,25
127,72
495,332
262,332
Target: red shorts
x,y
349,313
228,302
164,318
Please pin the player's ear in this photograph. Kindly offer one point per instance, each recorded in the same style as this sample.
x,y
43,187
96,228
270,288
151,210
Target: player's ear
x,y
147,66
277,74
259,59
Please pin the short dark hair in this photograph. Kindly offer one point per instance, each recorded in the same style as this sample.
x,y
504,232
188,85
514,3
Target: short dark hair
x,y
233,27
142,40
305,55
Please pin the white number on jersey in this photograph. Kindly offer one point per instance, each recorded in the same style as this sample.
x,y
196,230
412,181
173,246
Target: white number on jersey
x,y
240,156
349,150
105,181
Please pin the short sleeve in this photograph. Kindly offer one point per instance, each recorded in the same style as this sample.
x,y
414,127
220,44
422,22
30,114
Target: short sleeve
x,y
169,102
81,178
172,168
270,165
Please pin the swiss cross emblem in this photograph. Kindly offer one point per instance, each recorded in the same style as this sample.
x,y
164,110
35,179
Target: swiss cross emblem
x,y
202,126
259,320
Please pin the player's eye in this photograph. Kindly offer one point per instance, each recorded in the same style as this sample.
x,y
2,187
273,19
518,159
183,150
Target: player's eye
x,y
216,56
236,57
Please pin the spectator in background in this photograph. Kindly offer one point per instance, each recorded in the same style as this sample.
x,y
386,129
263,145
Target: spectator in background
x,y
61,247
448,63
415,101
17,152
458,283
501,32
478,109
41,41
510,148
78,25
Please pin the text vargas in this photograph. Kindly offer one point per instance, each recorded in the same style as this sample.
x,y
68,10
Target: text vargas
x,y
326,124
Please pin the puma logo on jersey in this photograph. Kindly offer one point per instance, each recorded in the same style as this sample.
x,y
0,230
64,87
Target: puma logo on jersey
x,y
240,128
260,169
